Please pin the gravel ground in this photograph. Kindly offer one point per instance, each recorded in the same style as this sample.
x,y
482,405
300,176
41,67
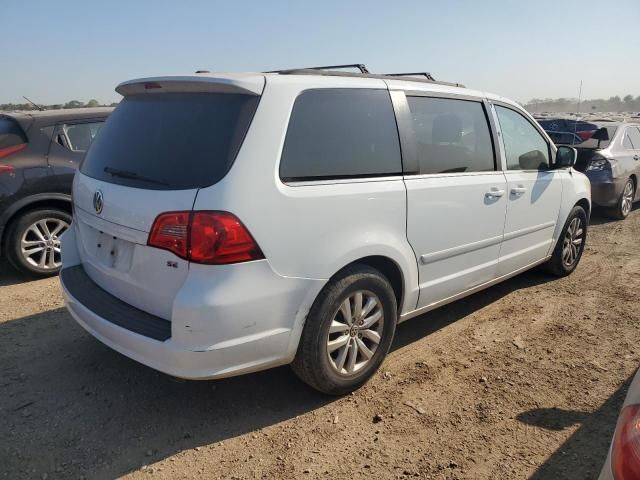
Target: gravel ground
x,y
523,380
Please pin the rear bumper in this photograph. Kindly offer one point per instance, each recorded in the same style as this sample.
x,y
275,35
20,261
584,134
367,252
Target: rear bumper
x,y
605,190
224,323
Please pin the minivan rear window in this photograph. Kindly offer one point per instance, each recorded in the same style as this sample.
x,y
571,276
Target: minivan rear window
x,y
341,133
11,133
170,141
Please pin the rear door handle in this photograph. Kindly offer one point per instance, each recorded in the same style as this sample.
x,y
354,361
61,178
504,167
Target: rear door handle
x,y
494,193
518,190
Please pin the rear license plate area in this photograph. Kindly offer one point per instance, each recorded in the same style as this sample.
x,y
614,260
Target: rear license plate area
x,y
106,249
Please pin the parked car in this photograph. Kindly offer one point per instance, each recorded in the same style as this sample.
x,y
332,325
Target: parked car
x,y
623,460
567,131
564,138
39,153
611,160
228,223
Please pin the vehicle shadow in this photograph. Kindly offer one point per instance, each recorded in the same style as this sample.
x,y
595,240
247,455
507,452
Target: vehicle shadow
x,y
600,216
70,406
10,276
582,455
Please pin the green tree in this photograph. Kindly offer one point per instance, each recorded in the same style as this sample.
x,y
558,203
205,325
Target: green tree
x,y
74,104
93,103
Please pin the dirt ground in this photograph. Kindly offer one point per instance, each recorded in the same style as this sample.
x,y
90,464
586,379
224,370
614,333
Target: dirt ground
x,y
523,380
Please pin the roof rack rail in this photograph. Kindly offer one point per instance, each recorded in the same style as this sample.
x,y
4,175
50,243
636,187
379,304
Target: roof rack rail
x,y
364,73
427,75
360,66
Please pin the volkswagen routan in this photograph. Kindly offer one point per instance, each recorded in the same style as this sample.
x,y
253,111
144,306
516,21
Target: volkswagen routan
x,y
229,223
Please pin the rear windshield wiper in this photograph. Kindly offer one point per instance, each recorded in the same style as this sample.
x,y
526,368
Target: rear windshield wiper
x,y
115,172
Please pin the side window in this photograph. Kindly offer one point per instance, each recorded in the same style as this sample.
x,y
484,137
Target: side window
x,y
632,138
341,133
451,135
80,135
525,147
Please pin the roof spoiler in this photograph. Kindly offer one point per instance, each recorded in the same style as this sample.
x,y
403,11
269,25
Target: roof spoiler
x,y
248,85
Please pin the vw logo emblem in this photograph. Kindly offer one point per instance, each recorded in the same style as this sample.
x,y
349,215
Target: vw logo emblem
x,y
98,201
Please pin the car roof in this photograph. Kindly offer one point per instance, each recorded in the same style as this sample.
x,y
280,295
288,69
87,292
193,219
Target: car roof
x,y
253,82
61,114
42,118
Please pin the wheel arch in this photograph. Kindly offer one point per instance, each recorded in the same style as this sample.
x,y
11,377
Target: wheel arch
x,y
387,267
33,202
584,203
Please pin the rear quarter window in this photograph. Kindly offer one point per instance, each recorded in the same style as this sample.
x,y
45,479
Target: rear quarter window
x,y
633,136
11,133
341,133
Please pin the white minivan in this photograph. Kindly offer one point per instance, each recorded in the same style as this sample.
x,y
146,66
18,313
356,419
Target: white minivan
x,y
228,223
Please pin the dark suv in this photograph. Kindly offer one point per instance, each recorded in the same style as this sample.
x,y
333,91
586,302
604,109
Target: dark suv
x,y
39,154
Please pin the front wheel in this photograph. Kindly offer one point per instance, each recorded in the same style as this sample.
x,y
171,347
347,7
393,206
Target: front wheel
x,y
348,331
570,245
33,241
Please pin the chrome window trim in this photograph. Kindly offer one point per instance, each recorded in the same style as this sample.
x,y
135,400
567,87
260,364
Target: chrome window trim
x,y
449,175
339,181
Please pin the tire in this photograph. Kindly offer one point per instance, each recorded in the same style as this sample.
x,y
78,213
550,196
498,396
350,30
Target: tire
x,y
558,264
625,202
32,227
336,373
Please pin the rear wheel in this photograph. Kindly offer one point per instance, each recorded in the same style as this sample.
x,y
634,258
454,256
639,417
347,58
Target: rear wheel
x,y
625,202
570,245
33,241
348,331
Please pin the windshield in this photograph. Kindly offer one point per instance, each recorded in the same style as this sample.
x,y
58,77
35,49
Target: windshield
x,y
170,141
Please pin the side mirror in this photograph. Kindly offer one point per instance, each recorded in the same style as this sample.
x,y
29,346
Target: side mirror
x,y
566,157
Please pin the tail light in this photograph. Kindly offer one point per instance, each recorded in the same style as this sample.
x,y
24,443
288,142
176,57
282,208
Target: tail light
x,y
598,163
6,151
214,238
170,232
625,454
585,134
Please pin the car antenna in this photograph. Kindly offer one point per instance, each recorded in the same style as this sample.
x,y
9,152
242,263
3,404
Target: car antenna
x,y
33,103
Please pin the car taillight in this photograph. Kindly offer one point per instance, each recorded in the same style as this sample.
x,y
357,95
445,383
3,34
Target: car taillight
x,y
170,232
6,151
625,454
585,134
598,163
219,237
214,238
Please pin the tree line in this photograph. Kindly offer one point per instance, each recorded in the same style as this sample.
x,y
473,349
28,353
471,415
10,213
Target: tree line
x,y
56,106
629,103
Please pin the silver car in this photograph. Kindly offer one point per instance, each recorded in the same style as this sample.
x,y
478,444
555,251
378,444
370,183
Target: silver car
x,y
611,160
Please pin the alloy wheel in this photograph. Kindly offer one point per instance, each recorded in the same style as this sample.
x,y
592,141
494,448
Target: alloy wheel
x,y
355,332
40,243
627,199
572,242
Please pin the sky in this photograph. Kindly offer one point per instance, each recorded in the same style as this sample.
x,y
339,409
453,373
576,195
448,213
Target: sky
x,y
56,51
